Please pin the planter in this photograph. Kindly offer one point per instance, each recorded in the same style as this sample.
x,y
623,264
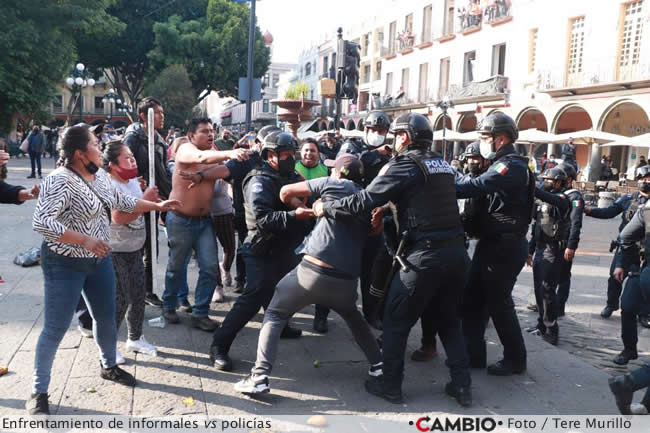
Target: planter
x,y
295,111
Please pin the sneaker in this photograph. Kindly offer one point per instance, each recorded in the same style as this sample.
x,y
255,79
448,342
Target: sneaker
x,y
462,394
204,323
644,320
141,345
85,332
218,296
623,393
552,335
171,316
638,409
288,332
375,386
253,385
38,404
153,300
625,356
119,359
506,368
226,278
376,370
116,374
532,307
220,359
607,312
185,307
31,176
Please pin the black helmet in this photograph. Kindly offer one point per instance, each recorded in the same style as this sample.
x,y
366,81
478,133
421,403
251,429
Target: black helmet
x,y
277,141
499,123
416,125
555,173
378,120
642,172
472,150
264,131
569,170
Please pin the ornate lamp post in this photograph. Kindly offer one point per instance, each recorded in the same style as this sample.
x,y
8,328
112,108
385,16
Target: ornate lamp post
x,y
445,104
77,81
112,98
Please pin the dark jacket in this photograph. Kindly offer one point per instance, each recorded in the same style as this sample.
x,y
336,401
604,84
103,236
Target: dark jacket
x,y
136,139
36,142
9,193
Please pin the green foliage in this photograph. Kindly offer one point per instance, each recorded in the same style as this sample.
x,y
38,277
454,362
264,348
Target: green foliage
x,y
174,90
214,48
38,49
297,90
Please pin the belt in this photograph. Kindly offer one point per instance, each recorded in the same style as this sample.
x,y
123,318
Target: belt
x,y
439,243
190,217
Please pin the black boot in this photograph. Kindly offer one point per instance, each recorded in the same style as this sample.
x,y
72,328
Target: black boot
x,y
506,367
625,356
552,335
377,386
623,389
462,394
289,332
220,359
607,312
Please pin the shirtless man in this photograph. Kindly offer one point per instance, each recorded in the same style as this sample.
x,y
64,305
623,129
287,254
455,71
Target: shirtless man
x,y
189,227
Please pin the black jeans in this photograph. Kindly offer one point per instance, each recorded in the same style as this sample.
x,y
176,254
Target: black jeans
x,y
242,232
634,301
488,294
564,287
435,278
262,275
429,324
35,159
546,276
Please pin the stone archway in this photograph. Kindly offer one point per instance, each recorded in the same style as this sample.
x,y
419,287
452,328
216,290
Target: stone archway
x,y
466,123
350,126
532,118
571,118
360,125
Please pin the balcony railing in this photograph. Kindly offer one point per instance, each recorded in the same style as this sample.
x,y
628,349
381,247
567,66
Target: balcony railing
x,y
405,41
475,15
493,86
598,71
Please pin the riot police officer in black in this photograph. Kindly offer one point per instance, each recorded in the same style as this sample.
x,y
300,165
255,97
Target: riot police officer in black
x,y
432,259
549,238
502,250
626,206
274,232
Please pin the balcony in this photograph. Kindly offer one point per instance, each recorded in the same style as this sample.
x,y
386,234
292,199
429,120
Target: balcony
x,y
477,91
388,52
471,20
405,42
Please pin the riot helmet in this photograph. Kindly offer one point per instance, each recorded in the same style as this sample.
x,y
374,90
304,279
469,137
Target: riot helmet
x,y
570,171
278,141
376,121
643,177
417,127
264,131
473,159
554,180
493,125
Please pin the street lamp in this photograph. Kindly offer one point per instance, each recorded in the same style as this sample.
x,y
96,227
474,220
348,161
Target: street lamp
x,y
77,81
445,104
112,98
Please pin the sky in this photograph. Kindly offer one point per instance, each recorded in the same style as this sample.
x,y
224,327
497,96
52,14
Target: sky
x,y
296,24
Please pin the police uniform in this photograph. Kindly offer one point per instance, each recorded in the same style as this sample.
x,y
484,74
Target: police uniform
x,y
500,255
269,252
626,206
550,235
577,204
637,287
419,184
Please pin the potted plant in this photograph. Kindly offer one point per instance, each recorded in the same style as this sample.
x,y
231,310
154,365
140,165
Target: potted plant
x,y
294,108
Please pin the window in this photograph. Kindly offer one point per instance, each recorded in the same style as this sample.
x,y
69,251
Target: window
x,y
266,80
532,50
389,84
392,34
308,69
408,23
276,80
378,71
379,39
57,104
448,20
576,46
366,73
426,24
99,104
405,82
468,67
423,89
443,84
334,62
265,105
326,66
499,59
630,38
366,44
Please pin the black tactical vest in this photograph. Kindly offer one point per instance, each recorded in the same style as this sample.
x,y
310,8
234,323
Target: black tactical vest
x,y
471,216
637,201
278,182
432,206
646,242
552,225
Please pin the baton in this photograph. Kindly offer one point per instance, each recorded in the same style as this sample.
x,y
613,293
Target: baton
x,y
153,224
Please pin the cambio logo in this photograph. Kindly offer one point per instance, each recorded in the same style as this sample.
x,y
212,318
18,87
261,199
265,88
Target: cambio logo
x,y
463,424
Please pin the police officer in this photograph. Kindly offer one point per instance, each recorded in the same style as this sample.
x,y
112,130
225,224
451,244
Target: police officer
x,y
626,206
549,238
636,294
577,209
419,185
502,250
274,232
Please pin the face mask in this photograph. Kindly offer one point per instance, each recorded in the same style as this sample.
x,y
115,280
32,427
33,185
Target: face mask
x,y
286,166
548,186
91,167
375,139
126,173
644,187
485,149
474,168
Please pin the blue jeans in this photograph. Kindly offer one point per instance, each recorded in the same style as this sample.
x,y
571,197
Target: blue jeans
x,y
185,235
184,290
65,279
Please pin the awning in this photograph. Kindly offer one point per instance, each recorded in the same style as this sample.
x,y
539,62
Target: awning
x,y
309,126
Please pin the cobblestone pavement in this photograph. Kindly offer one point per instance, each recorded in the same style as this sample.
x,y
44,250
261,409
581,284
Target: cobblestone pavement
x,y
568,379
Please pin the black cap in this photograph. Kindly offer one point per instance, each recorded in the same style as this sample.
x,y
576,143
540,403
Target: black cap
x,y
348,165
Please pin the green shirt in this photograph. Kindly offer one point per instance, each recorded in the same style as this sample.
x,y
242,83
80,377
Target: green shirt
x,y
223,144
311,173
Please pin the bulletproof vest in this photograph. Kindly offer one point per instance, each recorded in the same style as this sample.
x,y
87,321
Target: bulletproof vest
x,y
279,182
471,216
552,224
637,201
430,207
645,245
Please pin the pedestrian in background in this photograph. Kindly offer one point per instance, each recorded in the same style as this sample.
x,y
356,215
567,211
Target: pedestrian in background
x,y
36,148
224,228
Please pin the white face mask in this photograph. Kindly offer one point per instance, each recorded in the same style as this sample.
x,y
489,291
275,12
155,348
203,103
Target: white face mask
x,y
485,149
374,139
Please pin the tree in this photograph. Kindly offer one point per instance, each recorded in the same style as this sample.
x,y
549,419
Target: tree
x,y
174,90
214,49
38,49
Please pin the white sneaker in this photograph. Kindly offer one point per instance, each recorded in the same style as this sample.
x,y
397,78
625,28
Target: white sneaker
x,y
88,333
119,359
141,345
218,294
226,278
253,385
638,409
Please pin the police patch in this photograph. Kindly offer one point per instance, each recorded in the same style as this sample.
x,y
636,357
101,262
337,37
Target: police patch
x,y
437,166
576,203
500,168
257,188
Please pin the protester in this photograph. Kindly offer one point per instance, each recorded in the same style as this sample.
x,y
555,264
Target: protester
x,y
309,165
224,228
14,194
127,240
73,214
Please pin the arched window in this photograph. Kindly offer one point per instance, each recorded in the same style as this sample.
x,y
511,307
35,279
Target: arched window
x,y
308,69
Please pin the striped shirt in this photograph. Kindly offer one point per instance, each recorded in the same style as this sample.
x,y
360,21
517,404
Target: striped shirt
x,y
66,203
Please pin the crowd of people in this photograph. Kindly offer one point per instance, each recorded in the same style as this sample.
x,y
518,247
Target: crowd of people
x,y
474,12
314,223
